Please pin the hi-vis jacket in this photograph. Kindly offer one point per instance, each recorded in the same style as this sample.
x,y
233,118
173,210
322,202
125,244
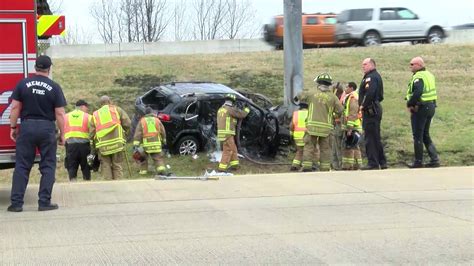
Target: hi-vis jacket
x,y
429,86
109,124
151,133
322,104
352,115
76,125
227,120
298,126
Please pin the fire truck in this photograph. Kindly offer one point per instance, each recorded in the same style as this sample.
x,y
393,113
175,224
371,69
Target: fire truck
x,y
22,23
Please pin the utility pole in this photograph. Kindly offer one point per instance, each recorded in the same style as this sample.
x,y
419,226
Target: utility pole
x,y
293,52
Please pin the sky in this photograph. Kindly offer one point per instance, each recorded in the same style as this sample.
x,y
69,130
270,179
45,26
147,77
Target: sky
x,y
449,13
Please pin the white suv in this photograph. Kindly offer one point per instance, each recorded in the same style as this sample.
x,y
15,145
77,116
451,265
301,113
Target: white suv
x,y
373,26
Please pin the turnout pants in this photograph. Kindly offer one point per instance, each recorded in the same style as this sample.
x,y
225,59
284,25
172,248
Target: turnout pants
x,y
111,165
420,125
298,156
229,154
311,144
158,162
76,154
41,135
352,159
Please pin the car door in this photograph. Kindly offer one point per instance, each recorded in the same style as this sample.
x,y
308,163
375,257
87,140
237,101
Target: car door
x,y
411,25
389,23
311,30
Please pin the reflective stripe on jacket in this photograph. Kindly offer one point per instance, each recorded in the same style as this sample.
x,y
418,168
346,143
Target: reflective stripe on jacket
x,y
151,134
109,132
76,125
322,104
298,127
429,86
227,121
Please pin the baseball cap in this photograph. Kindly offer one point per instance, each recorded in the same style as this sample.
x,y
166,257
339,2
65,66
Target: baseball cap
x,y
43,62
81,103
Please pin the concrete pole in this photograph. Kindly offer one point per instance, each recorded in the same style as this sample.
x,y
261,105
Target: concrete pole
x,y
293,52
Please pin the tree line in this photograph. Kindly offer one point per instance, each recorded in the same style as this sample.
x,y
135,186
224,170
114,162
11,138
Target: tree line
x,y
121,21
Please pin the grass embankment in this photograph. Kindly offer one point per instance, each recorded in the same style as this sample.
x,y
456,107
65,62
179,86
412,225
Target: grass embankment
x,y
124,78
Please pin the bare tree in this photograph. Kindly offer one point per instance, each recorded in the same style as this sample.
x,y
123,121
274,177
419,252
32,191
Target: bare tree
x,y
209,17
75,35
179,20
239,19
153,19
107,24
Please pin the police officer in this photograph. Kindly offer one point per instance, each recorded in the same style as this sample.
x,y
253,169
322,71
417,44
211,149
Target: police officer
x,y
352,125
322,105
370,97
76,132
298,131
421,103
227,117
38,102
109,127
151,134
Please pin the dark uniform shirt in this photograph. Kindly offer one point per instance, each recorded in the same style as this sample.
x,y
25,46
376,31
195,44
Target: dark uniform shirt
x,y
370,89
417,91
39,96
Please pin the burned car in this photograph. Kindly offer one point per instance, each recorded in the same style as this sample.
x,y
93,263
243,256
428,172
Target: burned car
x,y
188,111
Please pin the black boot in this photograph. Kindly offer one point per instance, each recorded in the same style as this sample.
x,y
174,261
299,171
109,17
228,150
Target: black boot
x,y
433,153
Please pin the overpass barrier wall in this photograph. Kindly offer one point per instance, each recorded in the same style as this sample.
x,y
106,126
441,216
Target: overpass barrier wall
x,y
190,47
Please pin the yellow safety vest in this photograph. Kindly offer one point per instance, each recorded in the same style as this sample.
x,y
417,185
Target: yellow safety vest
x,y
429,89
356,124
76,125
299,126
151,135
109,131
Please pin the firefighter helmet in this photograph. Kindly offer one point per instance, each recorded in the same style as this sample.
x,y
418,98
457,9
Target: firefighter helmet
x,y
139,154
323,78
352,140
230,96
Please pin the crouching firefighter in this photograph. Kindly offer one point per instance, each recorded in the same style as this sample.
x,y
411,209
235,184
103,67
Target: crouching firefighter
x,y
297,131
227,117
149,137
352,125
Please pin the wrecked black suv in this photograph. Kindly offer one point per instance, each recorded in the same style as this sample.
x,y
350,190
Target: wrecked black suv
x,y
188,111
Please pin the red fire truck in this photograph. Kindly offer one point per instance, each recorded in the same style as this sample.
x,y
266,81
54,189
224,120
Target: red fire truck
x,y
18,51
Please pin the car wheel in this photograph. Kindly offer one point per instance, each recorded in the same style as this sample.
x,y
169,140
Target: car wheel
x,y
187,145
372,38
435,36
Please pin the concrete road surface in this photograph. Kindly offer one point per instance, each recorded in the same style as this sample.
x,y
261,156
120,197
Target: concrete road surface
x,y
421,216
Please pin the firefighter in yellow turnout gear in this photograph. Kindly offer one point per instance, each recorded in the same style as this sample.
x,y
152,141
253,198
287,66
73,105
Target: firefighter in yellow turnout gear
x,y
322,104
352,124
227,117
151,135
297,131
109,127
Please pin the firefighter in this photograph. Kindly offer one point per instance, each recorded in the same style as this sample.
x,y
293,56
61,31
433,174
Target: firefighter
x,y
421,103
297,131
109,127
151,134
76,132
38,102
322,104
352,125
337,133
227,117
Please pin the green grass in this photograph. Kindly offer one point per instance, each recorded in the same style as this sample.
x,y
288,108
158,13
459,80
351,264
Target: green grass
x,y
124,78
